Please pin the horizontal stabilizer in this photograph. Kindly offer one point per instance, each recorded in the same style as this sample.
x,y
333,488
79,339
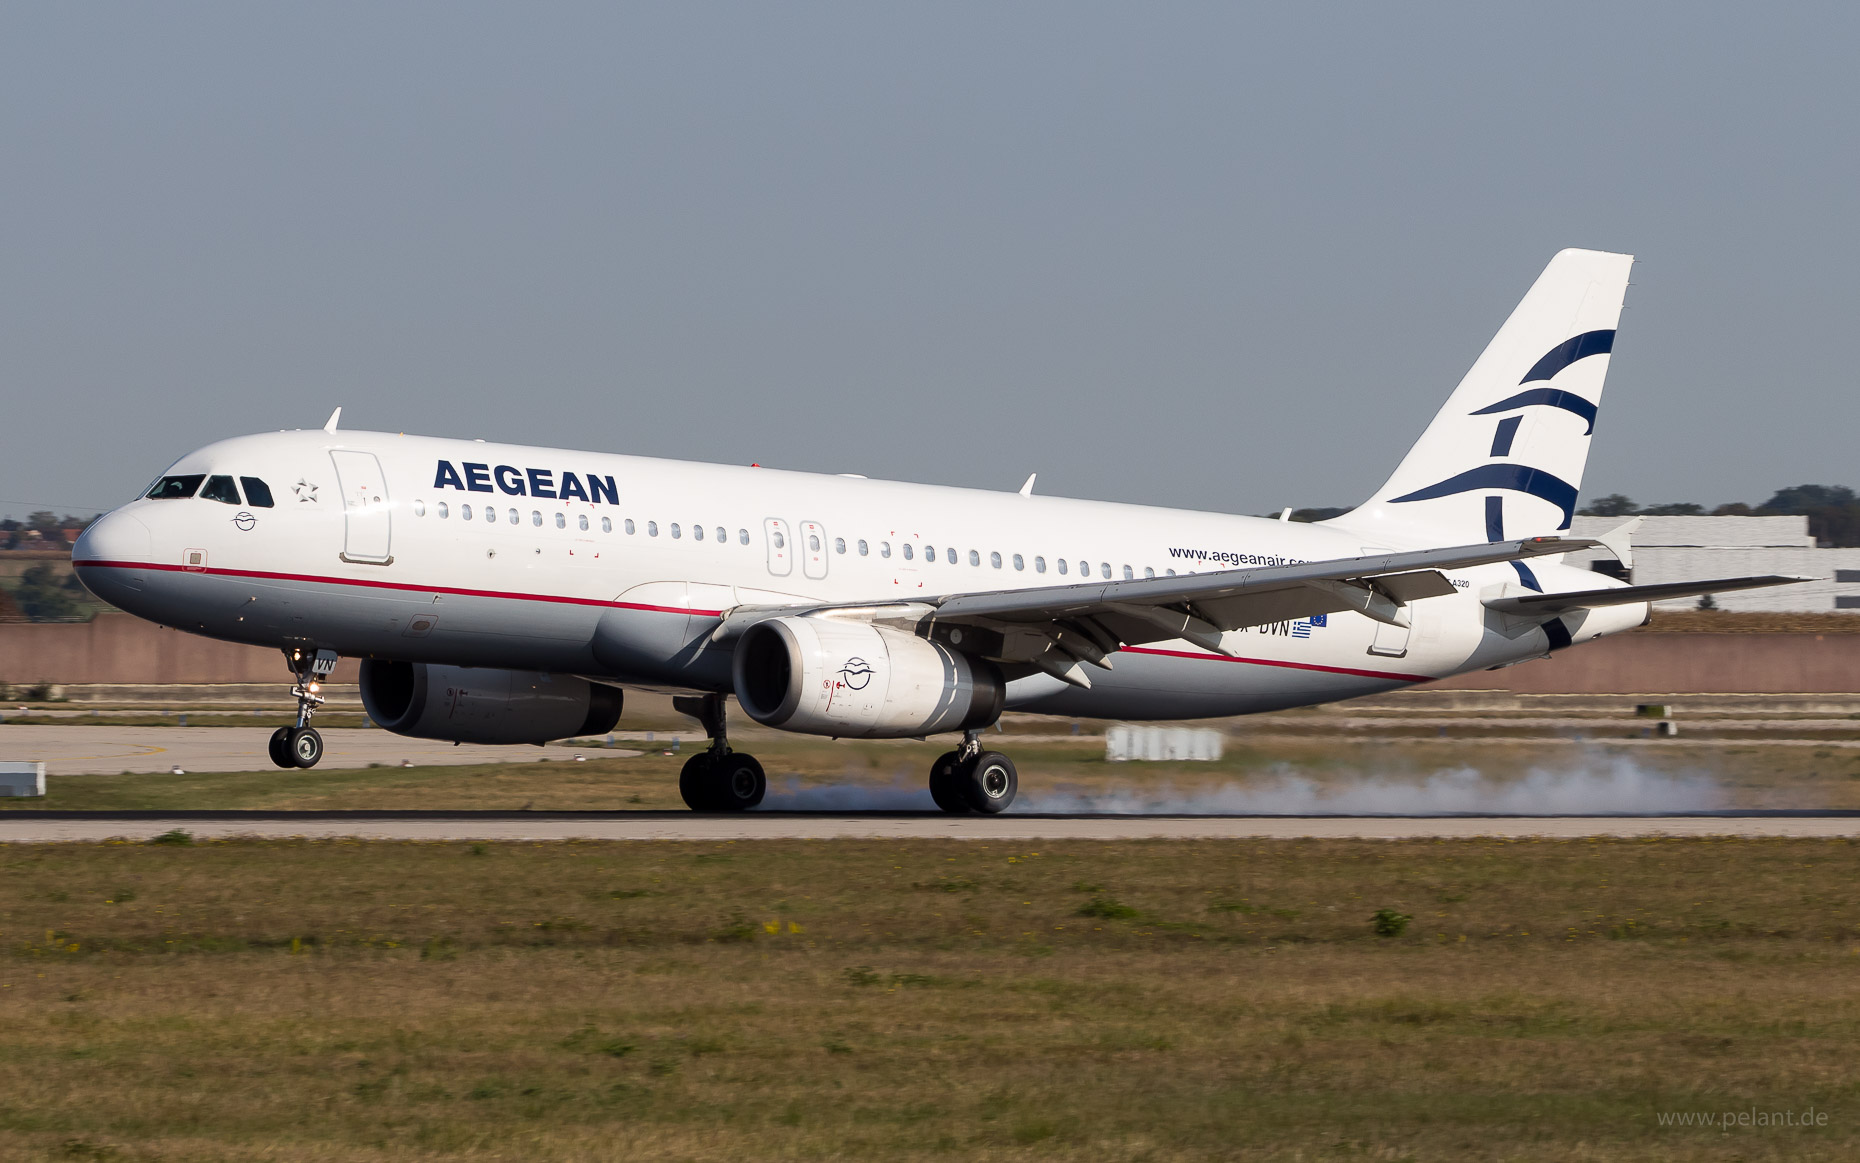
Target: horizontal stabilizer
x,y
1548,604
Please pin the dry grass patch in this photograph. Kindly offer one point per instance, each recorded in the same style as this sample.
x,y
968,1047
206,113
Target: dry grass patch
x,y
925,1000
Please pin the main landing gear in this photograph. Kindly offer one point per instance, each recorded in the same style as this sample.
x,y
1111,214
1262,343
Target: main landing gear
x,y
301,746
717,779
970,779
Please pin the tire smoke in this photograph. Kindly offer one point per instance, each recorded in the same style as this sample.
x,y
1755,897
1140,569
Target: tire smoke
x,y
1593,784
1597,783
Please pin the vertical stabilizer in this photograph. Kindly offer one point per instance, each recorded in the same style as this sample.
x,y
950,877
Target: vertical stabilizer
x,y
1504,457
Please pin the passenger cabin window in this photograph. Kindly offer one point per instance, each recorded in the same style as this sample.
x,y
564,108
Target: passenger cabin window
x,y
536,518
581,522
1062,565
884,549
863,549
1019,562
176,488
419,508
949,555
652,528
697,532
994,559
839,545
464,512
742,537
723,535
929,553
629,526
257,492
1129,574
607,525
974,557
1105,566
1039,565
907,551
516,518
561,522
443,511
1148,572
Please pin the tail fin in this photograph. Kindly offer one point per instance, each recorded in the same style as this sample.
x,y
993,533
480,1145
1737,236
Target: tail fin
x,y
1504,457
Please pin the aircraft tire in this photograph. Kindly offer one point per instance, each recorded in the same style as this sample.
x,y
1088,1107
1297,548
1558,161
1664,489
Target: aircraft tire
x,y
735,783
306,747
694,782
988,782
280,747
945,786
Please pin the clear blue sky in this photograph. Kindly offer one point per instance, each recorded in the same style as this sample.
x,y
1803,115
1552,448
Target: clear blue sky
x,y
1212,256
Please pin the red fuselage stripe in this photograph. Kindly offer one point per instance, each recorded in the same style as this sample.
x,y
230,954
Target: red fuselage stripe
x,y
1197,655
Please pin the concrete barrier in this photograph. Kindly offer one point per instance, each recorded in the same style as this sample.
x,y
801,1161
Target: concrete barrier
x,y
121,649
22,779
1691,663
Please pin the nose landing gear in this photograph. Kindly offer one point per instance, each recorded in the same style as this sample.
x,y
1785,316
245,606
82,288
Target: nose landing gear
x,y
301,745
718,779
970,779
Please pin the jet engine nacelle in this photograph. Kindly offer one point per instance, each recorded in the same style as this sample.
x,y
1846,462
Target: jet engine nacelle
x,y
468,704
823,676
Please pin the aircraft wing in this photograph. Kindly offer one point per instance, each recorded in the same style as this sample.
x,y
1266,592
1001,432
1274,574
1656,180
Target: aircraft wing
x,y
1546,604
1062,629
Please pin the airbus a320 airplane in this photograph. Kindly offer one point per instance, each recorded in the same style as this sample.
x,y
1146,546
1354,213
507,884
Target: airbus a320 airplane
x,y
501,594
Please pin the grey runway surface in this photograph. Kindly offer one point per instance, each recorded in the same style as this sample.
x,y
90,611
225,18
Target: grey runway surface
x,y
39,827
108,750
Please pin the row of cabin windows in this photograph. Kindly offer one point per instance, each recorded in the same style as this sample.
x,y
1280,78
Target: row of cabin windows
x,y
721,535
488,514
951,556
216,488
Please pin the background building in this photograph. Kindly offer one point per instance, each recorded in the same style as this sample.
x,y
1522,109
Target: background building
x,y
1672,549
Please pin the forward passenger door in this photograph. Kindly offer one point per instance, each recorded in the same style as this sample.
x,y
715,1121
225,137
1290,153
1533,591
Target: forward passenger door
x,y
367,521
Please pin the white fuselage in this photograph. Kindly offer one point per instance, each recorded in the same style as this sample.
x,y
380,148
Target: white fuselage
x,y
453,551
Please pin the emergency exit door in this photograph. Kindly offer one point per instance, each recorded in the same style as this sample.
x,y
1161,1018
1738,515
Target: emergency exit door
x,y
781,550
366,515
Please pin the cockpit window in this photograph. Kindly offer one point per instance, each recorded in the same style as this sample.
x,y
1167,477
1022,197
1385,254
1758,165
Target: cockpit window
x,y
176,488
221,489
258,493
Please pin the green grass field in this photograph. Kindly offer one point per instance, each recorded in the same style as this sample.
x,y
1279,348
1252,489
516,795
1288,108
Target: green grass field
x,y
927,1000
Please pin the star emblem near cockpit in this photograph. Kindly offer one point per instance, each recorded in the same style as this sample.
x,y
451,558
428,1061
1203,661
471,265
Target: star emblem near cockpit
x,y
306,492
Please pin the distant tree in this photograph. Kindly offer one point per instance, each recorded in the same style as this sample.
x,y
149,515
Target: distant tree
x,y
1734,509
45,521
43,597
1807,498
9,609
1612,505
1677,509
1833,511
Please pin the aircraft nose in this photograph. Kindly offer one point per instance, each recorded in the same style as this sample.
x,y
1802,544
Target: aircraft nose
x,y
117,536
